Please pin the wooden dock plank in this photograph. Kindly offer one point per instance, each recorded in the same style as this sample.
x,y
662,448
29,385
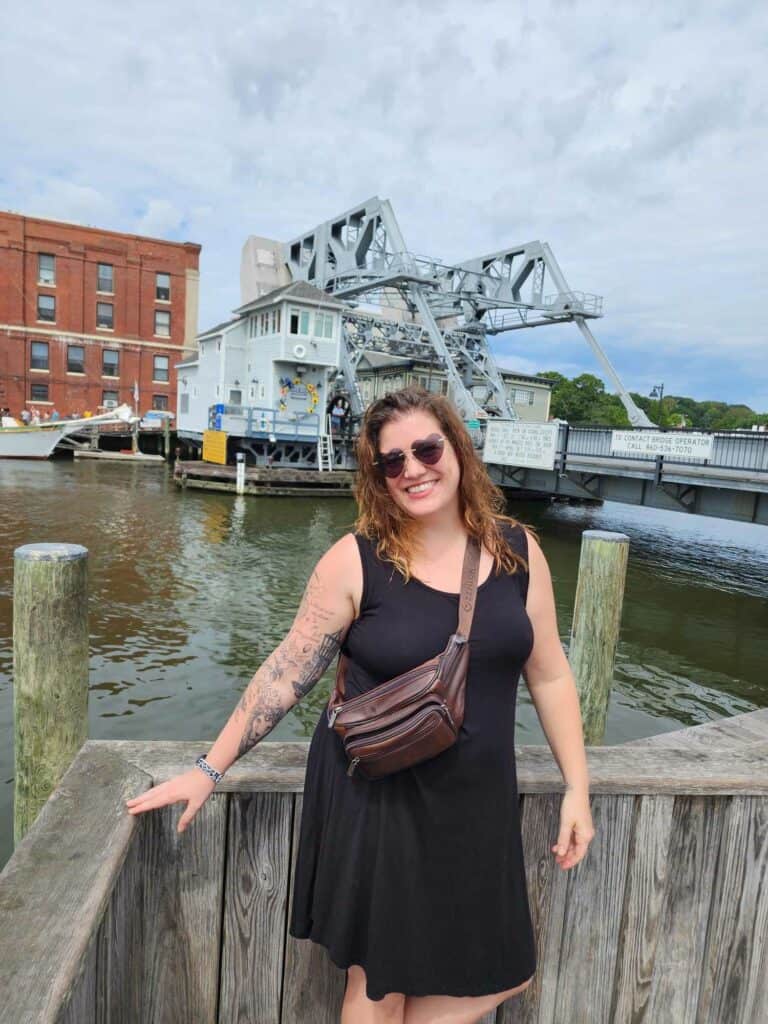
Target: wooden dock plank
x,y
686,881
614,769
121,941
255,904
592,918
183,900
643,908
81,1005
313,986
55,889
735,976
723,733
540,820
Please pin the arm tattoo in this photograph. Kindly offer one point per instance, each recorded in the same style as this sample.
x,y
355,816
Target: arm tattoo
x,y
293,667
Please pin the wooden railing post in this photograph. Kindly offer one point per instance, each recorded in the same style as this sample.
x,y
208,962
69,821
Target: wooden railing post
x,y
50,671
595,626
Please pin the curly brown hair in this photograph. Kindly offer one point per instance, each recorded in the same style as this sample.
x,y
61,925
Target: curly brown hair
x,y
481,502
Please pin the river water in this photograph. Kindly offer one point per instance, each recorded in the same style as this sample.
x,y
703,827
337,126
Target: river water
x,y
190,591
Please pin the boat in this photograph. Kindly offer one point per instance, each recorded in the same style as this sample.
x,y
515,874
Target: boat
x,y
39,440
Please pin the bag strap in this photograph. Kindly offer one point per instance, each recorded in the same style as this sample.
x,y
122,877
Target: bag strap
x,y
467,598
468,594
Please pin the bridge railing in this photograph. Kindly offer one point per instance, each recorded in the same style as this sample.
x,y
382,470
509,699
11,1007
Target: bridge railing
x,y
731,449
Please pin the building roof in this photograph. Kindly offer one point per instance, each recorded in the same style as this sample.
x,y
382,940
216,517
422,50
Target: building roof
x,y
378,360
219,327
299,290
506,371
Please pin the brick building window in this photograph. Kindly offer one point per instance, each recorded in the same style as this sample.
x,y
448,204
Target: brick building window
x,y
105,281
110,363
105,315
163,323
109,399
160,368
46,308
159,401
163,287
39,356
75,359
46,269
39,393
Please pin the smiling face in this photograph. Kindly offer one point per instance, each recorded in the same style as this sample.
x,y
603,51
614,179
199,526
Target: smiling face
x,y
421,490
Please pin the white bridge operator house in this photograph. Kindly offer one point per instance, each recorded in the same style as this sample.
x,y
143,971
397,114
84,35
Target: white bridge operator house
x,y
270,370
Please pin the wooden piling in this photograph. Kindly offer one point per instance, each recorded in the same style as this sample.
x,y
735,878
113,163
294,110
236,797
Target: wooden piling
x,y
50,671
595,626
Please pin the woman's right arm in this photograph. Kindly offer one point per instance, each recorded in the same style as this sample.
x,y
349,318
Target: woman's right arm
x,y
327,609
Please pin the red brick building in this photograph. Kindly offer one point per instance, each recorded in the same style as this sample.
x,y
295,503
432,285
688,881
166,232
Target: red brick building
x,y
85,315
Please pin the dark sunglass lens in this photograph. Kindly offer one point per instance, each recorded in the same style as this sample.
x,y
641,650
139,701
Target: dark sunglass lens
x,y
428,452
392,464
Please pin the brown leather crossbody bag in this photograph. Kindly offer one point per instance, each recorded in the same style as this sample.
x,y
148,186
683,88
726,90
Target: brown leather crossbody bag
x,y
416,715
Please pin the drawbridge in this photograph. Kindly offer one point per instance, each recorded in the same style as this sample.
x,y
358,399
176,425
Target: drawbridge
x,y
442,312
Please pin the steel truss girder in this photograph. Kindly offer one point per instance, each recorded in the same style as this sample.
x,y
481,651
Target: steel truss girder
x,y
363,333
362,252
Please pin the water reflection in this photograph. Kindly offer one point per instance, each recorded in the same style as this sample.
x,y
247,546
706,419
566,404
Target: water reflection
x,y
190,591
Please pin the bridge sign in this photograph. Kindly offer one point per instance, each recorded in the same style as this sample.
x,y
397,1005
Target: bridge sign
x,y
680,445
513,443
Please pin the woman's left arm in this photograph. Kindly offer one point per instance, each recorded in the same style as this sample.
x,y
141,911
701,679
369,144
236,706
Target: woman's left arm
x,y
550,682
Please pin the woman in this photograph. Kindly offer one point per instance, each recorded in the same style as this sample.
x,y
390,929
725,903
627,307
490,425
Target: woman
x,y
415,883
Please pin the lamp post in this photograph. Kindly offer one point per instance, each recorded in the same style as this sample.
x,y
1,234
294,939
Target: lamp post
x,y
657,391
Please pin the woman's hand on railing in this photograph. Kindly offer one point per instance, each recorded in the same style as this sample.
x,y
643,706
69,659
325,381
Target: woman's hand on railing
x,y
193,786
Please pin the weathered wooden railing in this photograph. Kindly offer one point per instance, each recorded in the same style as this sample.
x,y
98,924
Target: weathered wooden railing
x,y
112,918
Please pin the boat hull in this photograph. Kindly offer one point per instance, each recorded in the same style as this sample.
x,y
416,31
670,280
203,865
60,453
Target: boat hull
x,y
30,442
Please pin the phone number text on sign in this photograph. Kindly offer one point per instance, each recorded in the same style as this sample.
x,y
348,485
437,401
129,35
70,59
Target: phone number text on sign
x,y
653,442
512,443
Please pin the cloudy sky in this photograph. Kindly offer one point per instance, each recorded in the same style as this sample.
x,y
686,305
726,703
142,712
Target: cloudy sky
x,y
631,137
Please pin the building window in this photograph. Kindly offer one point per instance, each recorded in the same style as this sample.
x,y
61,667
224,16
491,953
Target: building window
x,y
523,396
275,321
160,368
110,363
235,396
39,393
105,281
39,359
323,325
46,269
299,322
163,287
163,323
105,315
109,399
46,308
75,359
160,402
184,405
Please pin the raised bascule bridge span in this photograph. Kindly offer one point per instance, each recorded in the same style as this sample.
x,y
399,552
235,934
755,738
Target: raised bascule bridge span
x,y
362,255
394,304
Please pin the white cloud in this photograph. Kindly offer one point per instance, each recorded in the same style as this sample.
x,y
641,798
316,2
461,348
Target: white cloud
x,y
630,139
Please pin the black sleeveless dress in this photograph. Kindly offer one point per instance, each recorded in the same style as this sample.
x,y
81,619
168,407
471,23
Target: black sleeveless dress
x,y
419,877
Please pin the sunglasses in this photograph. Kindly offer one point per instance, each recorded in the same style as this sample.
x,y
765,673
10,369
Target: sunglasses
x,y
428,452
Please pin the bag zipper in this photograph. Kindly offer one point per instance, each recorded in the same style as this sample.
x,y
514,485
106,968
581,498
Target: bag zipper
x,y
377,757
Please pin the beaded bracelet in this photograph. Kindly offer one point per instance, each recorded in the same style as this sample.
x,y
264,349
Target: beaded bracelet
x,y
208,769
